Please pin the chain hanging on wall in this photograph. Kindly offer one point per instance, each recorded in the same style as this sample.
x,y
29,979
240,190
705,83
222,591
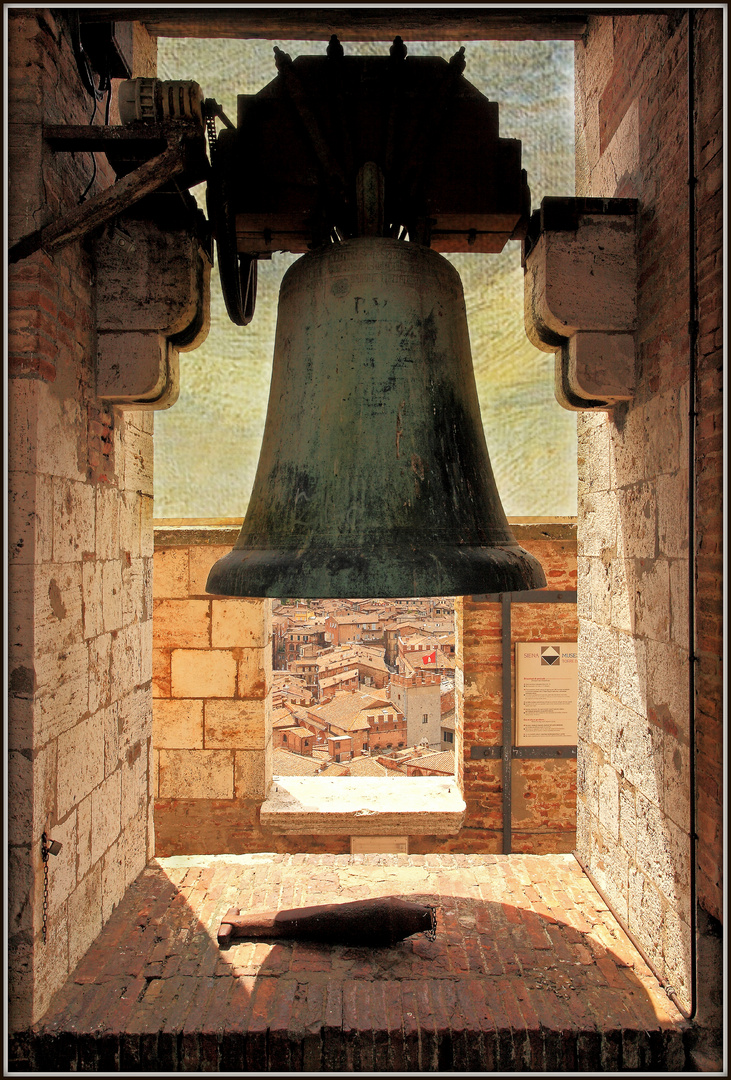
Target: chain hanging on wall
x,y
48,847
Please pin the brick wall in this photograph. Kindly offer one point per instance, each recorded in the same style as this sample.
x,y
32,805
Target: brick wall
x,y
212,657
80,548
633,542
543,792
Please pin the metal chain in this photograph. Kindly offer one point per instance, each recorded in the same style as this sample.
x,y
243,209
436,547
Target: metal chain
x,y
431,933
44,856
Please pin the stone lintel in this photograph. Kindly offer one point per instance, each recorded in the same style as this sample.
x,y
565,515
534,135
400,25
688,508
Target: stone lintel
x,y
355,806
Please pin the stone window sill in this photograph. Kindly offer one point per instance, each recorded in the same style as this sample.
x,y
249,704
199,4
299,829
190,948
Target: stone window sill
x,y
354,806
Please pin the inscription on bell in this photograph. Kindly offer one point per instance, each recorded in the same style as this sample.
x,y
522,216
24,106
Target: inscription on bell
x,y
373,415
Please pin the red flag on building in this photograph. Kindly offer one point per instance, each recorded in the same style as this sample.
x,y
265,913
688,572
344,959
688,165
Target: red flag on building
x,y
430,658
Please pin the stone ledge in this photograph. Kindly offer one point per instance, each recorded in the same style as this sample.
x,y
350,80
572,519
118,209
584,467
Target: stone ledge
x,y
194,532
413,806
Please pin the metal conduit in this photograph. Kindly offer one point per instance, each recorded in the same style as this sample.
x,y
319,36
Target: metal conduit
x,y
692,392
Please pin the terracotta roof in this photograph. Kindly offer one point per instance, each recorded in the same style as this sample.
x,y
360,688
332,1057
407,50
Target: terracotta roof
x,y
284,719
342,676
345,709
304,732
288,764
366,766
334,769
441,762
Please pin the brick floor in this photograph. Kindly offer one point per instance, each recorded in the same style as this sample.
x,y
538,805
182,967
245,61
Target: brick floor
x,y
529,971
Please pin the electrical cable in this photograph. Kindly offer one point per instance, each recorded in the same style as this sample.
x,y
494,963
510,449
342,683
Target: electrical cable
x,y
87,189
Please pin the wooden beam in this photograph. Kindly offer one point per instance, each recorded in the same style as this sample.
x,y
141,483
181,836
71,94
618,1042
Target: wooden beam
x,y
110,202
352,24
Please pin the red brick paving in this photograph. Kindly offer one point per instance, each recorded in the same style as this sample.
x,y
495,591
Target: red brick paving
x,y
529,972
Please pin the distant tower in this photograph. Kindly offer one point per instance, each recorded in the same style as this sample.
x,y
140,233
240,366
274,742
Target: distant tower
x,y
419,698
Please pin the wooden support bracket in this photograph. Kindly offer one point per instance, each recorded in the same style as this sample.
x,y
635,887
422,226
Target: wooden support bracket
x,y
147,178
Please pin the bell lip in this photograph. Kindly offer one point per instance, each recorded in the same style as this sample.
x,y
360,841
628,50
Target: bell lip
x,y
453,571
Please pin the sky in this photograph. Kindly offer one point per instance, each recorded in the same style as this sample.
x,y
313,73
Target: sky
x,y
207,445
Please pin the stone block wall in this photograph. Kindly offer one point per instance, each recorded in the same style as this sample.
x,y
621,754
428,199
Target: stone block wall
x,y
634,809
212,660
80,554
212,731
543,792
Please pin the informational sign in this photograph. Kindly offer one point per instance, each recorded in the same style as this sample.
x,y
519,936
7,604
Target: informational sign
x,y
546,693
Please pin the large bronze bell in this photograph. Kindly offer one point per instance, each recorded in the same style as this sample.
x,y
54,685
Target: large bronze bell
x,y
373,479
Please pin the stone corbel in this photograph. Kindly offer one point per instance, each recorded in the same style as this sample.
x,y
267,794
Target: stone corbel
x,y
580,264
152,302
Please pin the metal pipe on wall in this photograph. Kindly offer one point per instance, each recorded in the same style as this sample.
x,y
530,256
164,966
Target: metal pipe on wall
x,y
692,377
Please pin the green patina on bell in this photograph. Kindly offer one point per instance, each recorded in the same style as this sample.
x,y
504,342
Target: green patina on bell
x,y
374,478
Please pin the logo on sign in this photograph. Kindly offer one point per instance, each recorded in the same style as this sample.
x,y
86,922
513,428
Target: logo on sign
x,y
550,655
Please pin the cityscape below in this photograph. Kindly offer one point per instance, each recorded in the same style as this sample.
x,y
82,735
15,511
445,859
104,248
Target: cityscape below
x,y
363,687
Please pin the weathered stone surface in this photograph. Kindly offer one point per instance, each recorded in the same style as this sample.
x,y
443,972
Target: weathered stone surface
x,y
632,672
651,587
599,655
92,599
136,590
138,458
135,717
202,557
667,686
127,656
100,663
609,802
637,753
134,782
83,838
238,623
203,673
84,914
51,964
161,673
112,595
178,724
621,607
80,763
20,798
106,814
108,521
171,573
645,916
637,522
235,725
599,512
253,673
672,524
137,840
30,518
182,624
62,867
130,508
73,516
56,614
249,774
675,792
113,883
58,445
594,461
196,774
23,890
